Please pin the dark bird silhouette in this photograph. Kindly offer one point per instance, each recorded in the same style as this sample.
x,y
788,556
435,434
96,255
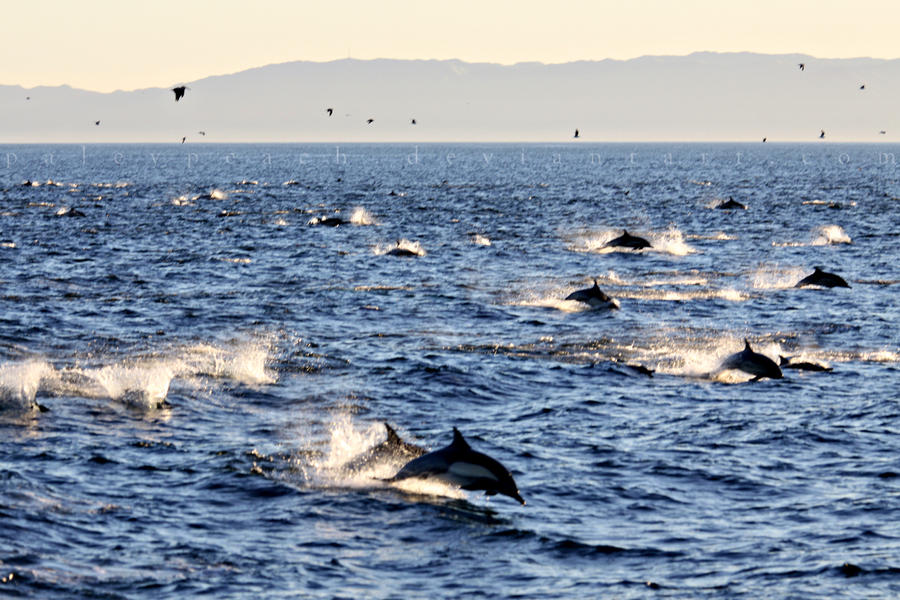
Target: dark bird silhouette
x,y
330,111
822,135
183,139
882,132
28,97
764,140
862,87
96,122
577,134
202,132
413,122
179,92
802,66
370,121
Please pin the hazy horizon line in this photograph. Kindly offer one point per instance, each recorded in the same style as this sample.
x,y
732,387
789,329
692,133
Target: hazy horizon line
x,y
459,60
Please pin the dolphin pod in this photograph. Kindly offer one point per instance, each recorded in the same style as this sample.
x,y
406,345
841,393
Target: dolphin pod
x,y
752,363
458,464
594,297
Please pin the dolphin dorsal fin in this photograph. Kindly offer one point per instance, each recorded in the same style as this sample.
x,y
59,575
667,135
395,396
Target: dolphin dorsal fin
x,y
596,287
459,440
392,438
625,232
747,345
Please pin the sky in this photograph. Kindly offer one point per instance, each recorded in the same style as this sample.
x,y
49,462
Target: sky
x,y
105,45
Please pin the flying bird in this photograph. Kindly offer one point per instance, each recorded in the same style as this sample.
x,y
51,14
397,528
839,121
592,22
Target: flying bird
x,y
802,66
28,97
413,122
202,132
764,140
862,87
822,135
576,134
96,122
179,92
330,111
882,132
370,121
183,139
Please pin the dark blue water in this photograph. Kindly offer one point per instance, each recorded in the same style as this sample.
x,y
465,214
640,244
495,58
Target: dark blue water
x,y
209,360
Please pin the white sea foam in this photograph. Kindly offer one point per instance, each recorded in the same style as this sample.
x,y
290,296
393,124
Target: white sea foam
x,y
479,240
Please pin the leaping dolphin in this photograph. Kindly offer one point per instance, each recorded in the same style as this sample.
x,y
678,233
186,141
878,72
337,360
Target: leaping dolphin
x,y
458,464
626,240
786,363
820,277
594,297
752,363
327,221
392,449
731,203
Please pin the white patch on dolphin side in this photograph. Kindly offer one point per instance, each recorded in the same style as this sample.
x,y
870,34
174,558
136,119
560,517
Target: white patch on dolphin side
x,y
470,471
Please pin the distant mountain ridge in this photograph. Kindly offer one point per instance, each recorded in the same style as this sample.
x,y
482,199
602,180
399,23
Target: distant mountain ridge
x,y
699,97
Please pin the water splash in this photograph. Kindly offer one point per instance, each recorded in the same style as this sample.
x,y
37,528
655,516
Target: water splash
x,y
830,234
479,240
775,277
19,383
244,362
360,216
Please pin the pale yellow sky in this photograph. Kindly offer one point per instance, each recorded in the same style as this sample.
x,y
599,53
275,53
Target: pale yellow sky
x,y
125,44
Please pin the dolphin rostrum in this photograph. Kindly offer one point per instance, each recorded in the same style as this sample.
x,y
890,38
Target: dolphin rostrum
x,y
626,240
820,277
392,449
593,297
458,464
752,363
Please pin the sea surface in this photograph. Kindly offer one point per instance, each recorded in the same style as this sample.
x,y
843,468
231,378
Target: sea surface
x,y
187,362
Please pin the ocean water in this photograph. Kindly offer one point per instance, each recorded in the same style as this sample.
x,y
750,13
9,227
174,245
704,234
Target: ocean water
x,y
186,362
